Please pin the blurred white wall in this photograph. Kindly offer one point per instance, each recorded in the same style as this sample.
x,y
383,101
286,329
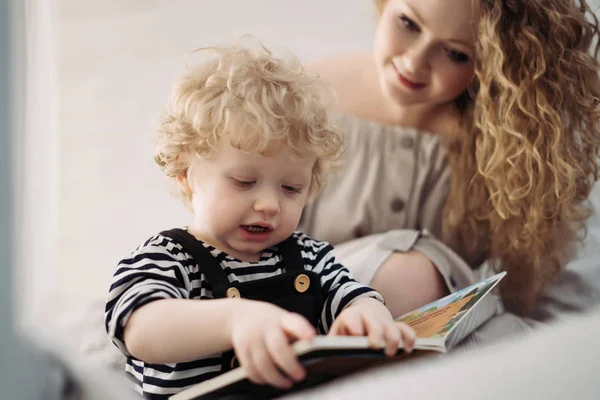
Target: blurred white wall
x,y
117,62
35,157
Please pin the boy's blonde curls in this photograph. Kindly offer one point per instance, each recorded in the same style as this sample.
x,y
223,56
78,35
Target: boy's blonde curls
x,y
259,102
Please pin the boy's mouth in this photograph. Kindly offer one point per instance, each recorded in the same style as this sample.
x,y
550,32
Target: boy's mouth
x,y
257,228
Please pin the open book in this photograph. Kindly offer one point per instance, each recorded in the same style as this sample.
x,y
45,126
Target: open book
x,y
439,326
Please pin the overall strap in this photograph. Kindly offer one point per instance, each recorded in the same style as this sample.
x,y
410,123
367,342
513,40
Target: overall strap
x,y
207,262
291,254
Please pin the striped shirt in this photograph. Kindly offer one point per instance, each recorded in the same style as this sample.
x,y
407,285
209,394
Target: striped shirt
x,y
161,269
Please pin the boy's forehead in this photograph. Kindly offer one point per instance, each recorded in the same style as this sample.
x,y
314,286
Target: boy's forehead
x,y
281,154
257,151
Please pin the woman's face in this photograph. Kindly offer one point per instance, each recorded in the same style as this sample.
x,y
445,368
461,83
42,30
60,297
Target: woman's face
x,y
424,50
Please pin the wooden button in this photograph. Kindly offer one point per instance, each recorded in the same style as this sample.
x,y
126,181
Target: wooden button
x,y
233,293
302,283
407,142
397,205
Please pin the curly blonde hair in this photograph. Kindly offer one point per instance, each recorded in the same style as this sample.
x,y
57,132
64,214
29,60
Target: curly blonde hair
x,y
255,100
528,158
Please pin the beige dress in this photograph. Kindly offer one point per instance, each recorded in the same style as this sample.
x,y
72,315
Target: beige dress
x,y
389,197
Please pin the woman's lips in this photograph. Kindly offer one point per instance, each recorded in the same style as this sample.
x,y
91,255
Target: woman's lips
x,y
408,83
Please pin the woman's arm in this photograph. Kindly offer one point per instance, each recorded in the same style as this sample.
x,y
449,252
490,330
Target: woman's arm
x,y
417,270
408,281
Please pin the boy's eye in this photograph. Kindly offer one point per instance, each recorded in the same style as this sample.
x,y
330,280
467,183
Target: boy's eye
x,y
408,23
243,183
291,189
457,56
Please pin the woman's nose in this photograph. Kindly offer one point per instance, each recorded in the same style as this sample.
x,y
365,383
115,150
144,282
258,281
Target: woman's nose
x,y
415,59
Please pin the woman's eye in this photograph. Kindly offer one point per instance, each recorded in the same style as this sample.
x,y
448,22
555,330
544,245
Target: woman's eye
x,y
242,183
408,23
457,56
291,189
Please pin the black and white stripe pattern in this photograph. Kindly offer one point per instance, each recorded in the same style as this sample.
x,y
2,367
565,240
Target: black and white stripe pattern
x,y
161,269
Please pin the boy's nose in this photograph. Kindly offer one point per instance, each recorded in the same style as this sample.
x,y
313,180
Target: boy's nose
x,y
267,202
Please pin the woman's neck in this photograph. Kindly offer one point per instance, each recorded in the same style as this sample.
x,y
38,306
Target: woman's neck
x,y
442,119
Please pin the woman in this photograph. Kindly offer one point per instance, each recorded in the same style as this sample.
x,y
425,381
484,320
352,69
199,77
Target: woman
x,y
472,134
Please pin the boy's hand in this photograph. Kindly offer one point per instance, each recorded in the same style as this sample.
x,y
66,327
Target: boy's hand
x,y
369,317
262,335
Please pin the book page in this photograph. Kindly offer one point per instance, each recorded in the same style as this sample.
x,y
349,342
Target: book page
x,y
437,319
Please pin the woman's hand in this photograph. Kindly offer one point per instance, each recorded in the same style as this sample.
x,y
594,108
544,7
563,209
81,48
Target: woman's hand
x,y
369,317
262,335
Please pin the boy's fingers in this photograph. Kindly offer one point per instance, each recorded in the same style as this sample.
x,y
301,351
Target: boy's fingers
x,y
296,327
267,369
354,325
374,331
408,336
336,328
348,324
282,353
392,339
251,369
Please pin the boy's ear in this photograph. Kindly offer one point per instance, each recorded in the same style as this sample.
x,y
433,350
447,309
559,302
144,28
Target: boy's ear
x,y
184,183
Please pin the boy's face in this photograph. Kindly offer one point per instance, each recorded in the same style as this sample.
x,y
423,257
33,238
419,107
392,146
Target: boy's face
x,y
243,202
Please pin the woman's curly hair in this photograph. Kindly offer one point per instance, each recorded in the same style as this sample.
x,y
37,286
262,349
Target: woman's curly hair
x,y
529,155
255,100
